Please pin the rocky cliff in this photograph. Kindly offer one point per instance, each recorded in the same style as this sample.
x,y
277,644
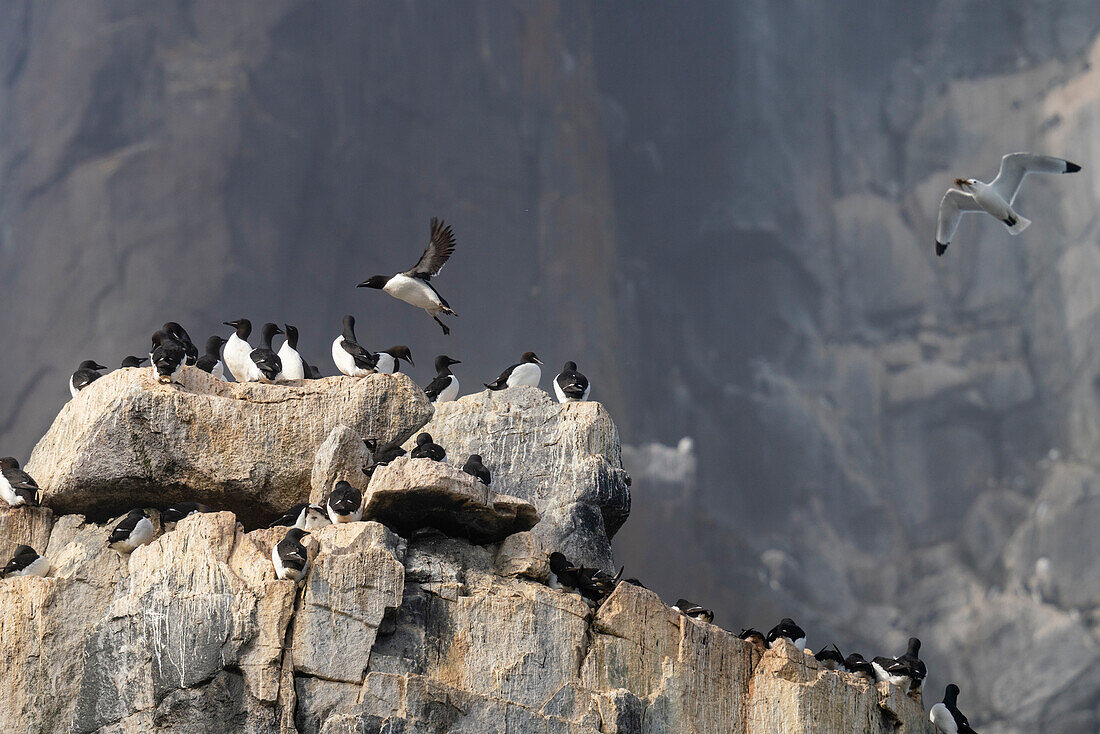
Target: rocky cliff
x,y
446,626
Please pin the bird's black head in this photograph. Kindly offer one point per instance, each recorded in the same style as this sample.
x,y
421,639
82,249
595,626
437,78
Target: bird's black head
x,y
291,336
376,281
569,367
951,695
297,533
214,345
476,458
269,330
558,562
530,357
349,327
24,550
914,646
8,462
132,361
423,439
243,327
91,364
136,512
342,486
401,352
442,362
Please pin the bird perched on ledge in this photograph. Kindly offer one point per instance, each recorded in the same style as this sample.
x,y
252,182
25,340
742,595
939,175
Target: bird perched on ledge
x,y
693,610
289,556
303,516
524,372
211,360
426,448
414,286
267,362
133,530
350,358
344,503
133,362
86,374
571,386
389,360
16,486
475,468
168,356
787,628
444,387
26,562
906,671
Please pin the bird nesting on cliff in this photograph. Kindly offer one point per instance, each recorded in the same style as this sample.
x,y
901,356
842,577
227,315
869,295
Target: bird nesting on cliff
x,y
524,372
303,516
167,356
475,468
426,448
344,503
754,636
350,358
133,361
131,531
211,360
994,198
267,362
292,367
289,556
380,455
444,387
591,583
693,610
571,386
17,487
414,286
788,629
26,562
856,663
389,360
180,510
87,373
906,671
830,656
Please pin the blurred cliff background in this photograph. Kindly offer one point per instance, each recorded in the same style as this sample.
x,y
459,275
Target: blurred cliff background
x,y
724,212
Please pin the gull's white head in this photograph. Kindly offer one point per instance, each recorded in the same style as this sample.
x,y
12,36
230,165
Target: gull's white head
x,y
965,183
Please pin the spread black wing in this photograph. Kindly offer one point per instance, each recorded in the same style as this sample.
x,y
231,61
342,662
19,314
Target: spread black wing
x,y
436,254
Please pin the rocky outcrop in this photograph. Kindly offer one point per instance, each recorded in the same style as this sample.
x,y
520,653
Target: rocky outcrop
x,y
193,633
248,447
408,494
564,459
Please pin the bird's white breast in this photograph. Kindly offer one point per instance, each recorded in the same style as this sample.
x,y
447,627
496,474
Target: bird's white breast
x,y
72,387
412,291
527,373
344,361
282,571
448,393
293,368
218,371
311,520
9,494
237,358
38,567
989,200
943,719
352,517
385,363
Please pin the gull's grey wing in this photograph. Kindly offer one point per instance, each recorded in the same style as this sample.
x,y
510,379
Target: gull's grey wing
x,y
435,256
954,204
1015,166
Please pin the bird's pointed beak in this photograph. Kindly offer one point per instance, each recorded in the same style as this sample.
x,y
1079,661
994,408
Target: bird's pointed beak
x,y
538,361
363,284
961,183
229,323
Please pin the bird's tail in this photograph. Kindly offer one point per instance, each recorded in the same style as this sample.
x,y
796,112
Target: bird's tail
x,y
1019,224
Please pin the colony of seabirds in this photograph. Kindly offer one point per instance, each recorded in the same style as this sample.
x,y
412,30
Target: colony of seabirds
x,y
172,348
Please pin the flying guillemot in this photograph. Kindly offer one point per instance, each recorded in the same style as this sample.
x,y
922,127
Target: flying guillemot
x,y
414,286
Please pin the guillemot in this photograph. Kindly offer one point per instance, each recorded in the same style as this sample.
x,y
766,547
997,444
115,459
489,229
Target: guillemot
x,y
293,366
524,372
571,386
444,387
350,358
86,374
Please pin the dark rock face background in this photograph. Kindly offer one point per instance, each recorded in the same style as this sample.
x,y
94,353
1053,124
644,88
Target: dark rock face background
x,y
722,211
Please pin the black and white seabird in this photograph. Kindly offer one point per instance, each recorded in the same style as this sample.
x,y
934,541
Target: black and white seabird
x,y
414,286
290,557
427,449
996,197
86,374
132,361
16,486
26,562
380,455
344,503
524,372
133,530
945,716
267,362
830,657
180,334
237,354
474,467
350,358
563,574
754,636
693,610
905,671
855,663
571,386
180,510
389,360
444,387
168,356
303,516
211,360
293,366
596,585
787,628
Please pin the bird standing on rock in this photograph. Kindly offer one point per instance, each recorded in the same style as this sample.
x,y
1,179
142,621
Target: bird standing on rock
x,y
289,556
237,352
133,530
168,356
16,486
524,372
26,562
830,657
211,360
427,449
180,334
180,510
344,503
444,387
475,468
86,374
906,671
267,362
389,360
133,362
787,628
350,358
994,198
294,368
414,286
754,636
571,386
303,516
693,610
